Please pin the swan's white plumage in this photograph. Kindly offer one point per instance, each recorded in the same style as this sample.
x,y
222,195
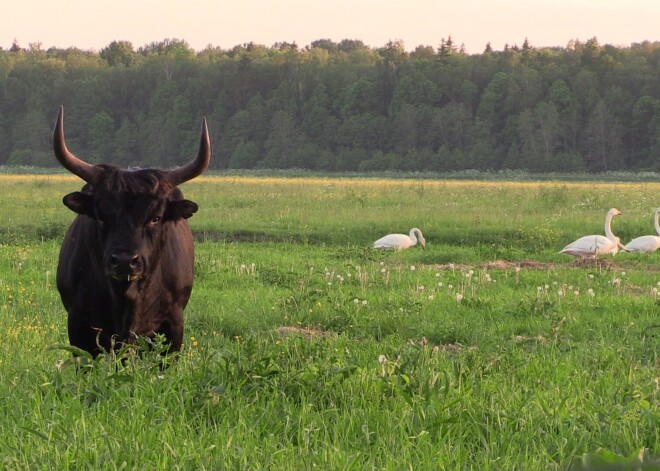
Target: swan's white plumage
x,y
401,241
648,243
592,245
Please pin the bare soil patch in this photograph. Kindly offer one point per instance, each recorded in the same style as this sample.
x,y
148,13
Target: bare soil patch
x,y
306,332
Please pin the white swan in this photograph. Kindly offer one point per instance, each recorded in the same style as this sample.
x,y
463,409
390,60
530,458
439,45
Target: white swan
x,y
649,243
592,245
401,241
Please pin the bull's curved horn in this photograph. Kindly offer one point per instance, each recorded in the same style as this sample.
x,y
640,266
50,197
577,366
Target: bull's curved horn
x,y
197,166
69,161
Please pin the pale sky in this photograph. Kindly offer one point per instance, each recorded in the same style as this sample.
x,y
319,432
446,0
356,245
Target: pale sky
x,y
93,24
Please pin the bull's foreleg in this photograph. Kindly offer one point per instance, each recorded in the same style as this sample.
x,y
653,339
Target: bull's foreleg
x,y
172,329
92,339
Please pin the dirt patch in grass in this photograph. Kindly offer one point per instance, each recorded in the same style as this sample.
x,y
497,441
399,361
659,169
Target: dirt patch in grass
x,y
445,347
531,265
498,265
595,263
306,332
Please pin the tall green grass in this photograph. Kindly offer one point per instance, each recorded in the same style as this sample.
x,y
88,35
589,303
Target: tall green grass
x,y
305,348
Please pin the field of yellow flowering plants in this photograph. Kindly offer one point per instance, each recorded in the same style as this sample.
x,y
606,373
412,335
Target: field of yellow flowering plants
x,y
306,348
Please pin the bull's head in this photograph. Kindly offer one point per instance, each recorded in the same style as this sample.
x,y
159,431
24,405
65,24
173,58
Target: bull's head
x,y
132,208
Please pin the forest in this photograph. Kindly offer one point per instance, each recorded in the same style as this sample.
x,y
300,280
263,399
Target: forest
x,y
338,106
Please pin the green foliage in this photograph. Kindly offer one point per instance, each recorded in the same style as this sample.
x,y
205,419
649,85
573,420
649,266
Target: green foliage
x,y
604,459
338,106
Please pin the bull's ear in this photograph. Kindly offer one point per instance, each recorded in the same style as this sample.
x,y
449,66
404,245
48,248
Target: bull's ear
x,y
79,203
181,209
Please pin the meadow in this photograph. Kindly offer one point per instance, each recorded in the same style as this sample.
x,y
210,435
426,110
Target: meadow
x,y
307,349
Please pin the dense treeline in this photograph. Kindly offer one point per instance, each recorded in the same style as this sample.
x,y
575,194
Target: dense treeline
x,y
339,106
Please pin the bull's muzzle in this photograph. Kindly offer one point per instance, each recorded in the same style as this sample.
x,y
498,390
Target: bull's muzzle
x,y
126,266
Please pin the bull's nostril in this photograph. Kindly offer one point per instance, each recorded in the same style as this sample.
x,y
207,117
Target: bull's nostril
x,y
125,262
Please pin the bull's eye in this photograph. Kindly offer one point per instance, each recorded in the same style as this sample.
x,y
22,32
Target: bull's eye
x,y
154,221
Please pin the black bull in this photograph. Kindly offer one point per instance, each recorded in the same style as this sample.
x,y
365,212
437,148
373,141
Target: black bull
x,y
126,264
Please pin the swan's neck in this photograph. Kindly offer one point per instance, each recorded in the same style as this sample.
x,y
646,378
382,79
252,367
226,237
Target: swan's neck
x,y
608,226
412,236
656,222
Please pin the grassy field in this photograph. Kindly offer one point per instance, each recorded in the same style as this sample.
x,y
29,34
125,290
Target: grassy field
x,y
307,349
